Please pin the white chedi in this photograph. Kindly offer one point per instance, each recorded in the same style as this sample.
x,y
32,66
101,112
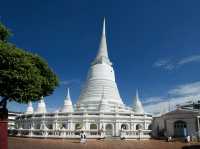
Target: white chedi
x,y
68,107
29,109
41,106
101,73
137,105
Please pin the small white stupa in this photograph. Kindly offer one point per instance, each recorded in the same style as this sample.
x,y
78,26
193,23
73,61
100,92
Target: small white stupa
x,y
29,109
137,105
68,107
41,106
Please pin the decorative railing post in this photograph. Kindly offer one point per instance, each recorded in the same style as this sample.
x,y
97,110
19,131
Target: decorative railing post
x,y
31,131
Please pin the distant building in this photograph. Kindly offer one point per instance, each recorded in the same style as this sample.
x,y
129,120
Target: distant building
x,y
183,121
99,112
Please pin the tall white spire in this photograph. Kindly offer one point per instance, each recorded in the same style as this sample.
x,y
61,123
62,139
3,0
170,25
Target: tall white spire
x,y
68,107
102,55
104,27
68,95
29,109
101,73
137,105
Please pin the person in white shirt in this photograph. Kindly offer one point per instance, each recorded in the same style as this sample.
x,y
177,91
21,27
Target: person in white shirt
x,y
169,139
188,139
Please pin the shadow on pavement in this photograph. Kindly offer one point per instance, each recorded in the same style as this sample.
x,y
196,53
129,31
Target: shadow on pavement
x,y
76,142
191,147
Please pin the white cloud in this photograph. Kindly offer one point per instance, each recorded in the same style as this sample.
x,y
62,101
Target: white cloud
x,y
165,63
194,58
178,95
169,67
70,82
186,89
157,109
169,64
160,63
152,100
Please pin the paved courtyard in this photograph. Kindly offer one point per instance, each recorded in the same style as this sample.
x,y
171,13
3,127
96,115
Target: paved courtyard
x,y
29,143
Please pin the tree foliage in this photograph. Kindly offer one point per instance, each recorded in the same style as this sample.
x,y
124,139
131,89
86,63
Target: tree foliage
x,y
24,76
4,32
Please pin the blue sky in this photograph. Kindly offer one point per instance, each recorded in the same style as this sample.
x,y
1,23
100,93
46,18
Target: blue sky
x,y
154,45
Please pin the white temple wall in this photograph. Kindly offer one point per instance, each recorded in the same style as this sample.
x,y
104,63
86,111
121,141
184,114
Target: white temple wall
x,y
191,126
51,125
165,125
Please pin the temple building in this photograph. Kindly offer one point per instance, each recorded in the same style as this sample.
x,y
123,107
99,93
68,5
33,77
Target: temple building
x,y
179,123
99,111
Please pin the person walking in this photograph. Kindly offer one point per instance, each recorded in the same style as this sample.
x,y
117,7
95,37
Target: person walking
x,y
188,139
82,137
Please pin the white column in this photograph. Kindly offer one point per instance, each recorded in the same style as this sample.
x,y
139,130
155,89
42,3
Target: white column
x,y
117,128
132,121
70,126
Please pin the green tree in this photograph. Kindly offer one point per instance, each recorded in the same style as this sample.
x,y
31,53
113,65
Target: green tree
x,y
24,76
4,32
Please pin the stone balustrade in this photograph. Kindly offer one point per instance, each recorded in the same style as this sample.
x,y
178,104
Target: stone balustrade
x,y
65,133
135,134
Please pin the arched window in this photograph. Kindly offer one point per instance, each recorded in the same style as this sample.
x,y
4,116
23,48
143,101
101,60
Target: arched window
x,y
180,124
124,126
78,126
29,126
138,126
109,127
180,129
93,126
150,127
109,130
64,126
37,126
50,126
